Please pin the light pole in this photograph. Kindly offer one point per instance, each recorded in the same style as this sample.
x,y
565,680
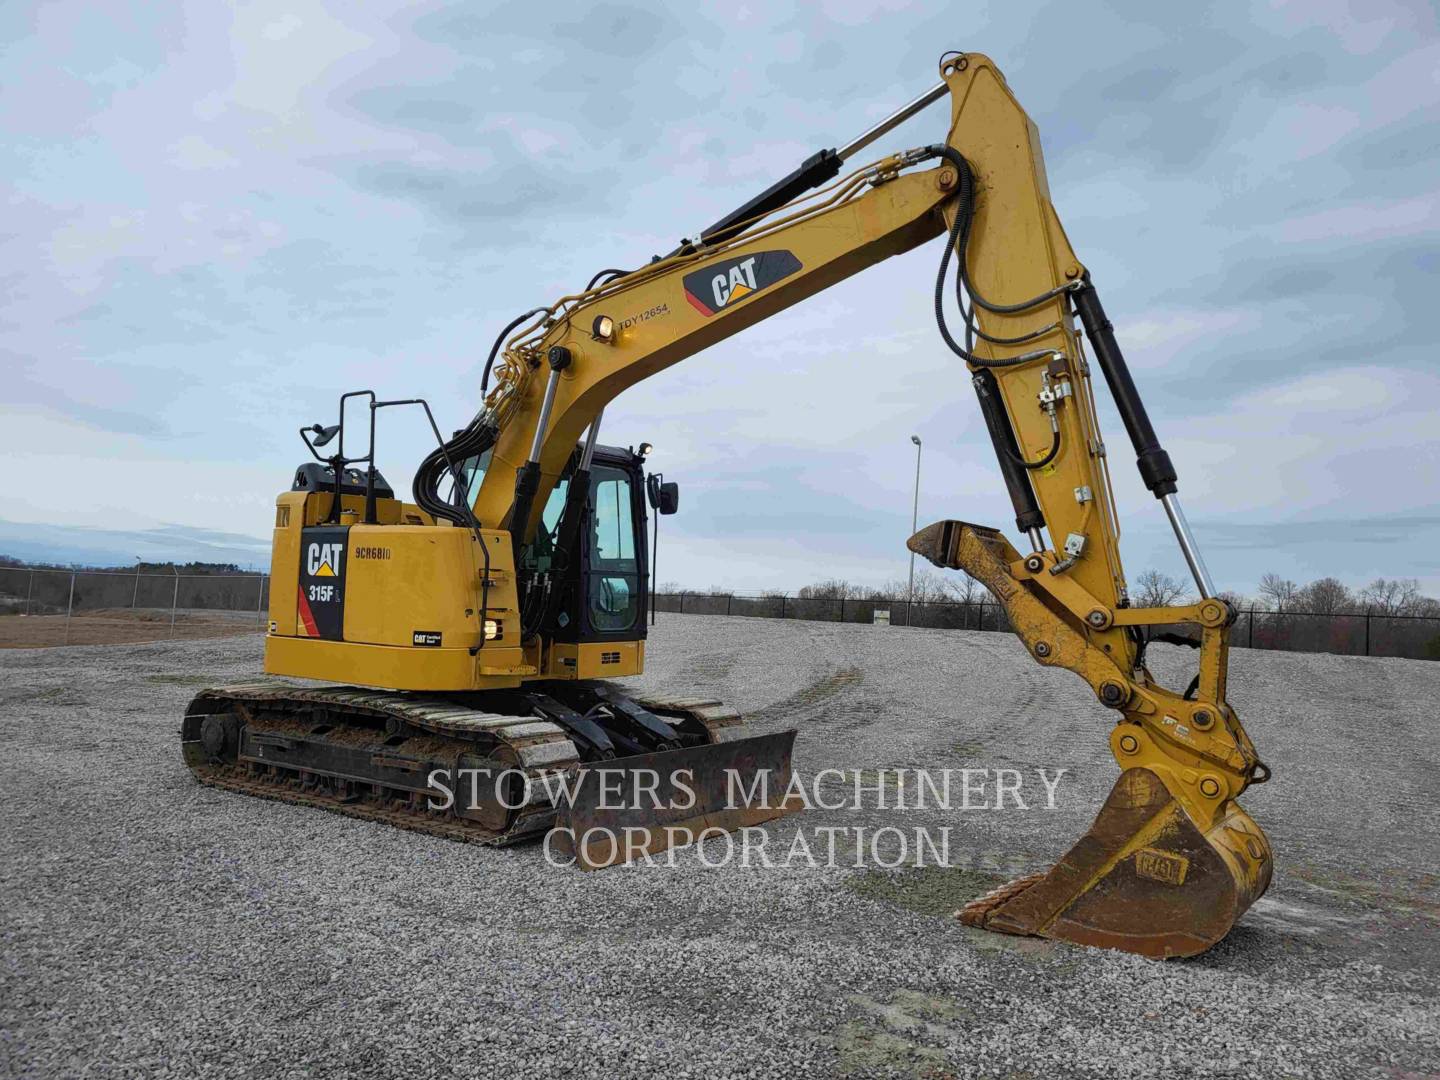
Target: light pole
x,y
174,600
914,522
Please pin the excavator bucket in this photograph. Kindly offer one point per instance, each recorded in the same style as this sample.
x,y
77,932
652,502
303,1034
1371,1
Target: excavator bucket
x,y
622,810
1144,879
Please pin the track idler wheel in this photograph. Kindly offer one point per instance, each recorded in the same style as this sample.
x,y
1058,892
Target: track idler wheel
x,y
1144,879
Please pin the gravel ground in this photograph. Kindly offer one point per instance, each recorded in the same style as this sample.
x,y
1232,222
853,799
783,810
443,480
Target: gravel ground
x,y
114,626
153,927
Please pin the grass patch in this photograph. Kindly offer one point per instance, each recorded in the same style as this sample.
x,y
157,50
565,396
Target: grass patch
x,y
932,890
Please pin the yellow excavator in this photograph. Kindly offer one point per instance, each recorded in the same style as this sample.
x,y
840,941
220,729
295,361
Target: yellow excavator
x,y
474,630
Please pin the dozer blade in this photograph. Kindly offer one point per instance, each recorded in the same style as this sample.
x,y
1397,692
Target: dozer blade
x,y
621,810
1144,879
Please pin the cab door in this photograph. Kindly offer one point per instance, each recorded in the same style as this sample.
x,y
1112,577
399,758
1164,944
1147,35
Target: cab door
x,y
614,563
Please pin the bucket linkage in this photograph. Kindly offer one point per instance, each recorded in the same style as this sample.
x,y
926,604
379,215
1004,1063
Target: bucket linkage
x,y
1171,860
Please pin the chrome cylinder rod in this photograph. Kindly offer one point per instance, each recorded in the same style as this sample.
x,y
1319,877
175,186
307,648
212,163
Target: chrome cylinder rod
x,y
1037,541
1188,546
891,122
544,421
590,439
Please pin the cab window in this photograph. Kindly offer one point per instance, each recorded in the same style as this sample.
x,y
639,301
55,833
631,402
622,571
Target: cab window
x,y
614,521
613,588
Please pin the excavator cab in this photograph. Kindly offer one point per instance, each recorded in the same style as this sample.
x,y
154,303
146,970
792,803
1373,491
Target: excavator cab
x,y
591,552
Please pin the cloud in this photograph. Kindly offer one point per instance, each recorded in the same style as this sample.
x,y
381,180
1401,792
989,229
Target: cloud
x,y
64,544
192,152
492,196
1367,221
281,48
619,30
220,219
24,390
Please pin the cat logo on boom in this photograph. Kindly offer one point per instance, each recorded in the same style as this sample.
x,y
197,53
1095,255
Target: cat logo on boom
x,y
725,283
323,560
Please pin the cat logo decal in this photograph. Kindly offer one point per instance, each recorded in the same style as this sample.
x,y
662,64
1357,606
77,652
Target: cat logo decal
x,y
726,283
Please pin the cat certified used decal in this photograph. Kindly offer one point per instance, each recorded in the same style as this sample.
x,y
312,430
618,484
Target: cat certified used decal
x,y
722,284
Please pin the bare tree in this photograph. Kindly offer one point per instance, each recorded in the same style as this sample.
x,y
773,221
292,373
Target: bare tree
x,y
962,588
930,588
1392,596
832,589
1156,589
1277,592
1238,601
1328,596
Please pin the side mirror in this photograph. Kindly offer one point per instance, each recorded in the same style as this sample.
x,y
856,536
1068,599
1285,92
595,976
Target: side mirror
x,y
662,497
323,434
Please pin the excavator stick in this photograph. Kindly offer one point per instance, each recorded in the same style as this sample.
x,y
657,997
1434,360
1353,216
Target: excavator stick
x,y
1171,861
624,810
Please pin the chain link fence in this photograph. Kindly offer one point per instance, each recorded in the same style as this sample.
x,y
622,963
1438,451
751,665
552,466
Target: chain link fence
x,y
1361,633
41,606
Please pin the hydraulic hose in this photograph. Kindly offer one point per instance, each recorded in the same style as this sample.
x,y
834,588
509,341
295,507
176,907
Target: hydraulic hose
x,y
605,276
957,243
1021,340
469,442
1049,457
972,330
495,349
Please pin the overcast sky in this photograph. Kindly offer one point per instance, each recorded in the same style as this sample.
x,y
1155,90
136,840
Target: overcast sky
x,y
218,218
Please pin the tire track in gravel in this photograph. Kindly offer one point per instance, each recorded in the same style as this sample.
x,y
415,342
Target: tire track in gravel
x,y
811,702
863,691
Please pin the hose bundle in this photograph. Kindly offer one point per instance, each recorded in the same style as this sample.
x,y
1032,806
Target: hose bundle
x,y
958,242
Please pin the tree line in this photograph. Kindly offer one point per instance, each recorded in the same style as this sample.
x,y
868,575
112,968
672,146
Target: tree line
x,y
1325,596
195,569
1153,588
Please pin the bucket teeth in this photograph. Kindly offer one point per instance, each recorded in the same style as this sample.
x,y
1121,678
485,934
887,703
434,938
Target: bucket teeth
x,y
1144,879
978,910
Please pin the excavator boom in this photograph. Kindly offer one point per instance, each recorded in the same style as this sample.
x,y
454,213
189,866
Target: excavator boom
x,y
1172,860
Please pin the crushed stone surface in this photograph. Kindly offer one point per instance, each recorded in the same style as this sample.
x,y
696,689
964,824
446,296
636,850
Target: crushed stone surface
x,y
155,927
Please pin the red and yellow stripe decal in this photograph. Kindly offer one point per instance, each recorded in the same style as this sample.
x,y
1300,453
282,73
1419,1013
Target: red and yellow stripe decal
x,y
307,617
